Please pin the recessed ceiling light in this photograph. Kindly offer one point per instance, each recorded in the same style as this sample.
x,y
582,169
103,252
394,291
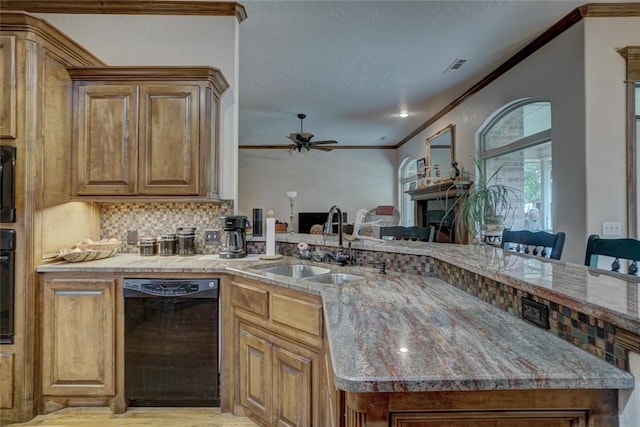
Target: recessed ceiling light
x,y
404,114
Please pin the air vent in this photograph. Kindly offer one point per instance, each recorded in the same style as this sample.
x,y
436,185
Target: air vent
x,y
455,64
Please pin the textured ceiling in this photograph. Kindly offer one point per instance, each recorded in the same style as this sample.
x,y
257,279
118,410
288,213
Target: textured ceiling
x,y
352,66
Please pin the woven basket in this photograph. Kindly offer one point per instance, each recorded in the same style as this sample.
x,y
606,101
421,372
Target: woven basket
x,y
99,246
86,255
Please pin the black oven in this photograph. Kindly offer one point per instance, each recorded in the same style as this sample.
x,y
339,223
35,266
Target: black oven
x,y
7,183
7,288
171,342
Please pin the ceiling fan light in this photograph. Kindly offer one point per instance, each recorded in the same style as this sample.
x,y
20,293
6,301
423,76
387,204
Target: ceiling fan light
x,y
299,152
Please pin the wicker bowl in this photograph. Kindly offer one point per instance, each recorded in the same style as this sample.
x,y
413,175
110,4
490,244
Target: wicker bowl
x,y
86,255
97,246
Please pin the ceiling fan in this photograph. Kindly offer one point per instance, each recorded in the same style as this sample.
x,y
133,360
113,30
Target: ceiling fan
x,y
302,141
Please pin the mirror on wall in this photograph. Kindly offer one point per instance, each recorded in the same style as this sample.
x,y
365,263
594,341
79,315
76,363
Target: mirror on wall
x,y
441,151
632,56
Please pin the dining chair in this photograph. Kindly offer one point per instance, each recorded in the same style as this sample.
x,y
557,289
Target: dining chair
x,y
539,243
625,249
423,234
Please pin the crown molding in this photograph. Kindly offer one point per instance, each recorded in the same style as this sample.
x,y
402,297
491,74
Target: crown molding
x,y
612,10
168,73
12,21
342,147
129,7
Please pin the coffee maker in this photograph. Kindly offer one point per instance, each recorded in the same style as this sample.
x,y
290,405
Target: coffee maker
x,y
234,241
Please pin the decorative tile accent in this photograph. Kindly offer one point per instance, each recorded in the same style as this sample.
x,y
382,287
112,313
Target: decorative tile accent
x,y
588,333
154,219
420,265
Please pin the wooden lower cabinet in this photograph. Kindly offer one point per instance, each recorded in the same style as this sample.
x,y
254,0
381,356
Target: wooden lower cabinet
x,y
491,419
276,378
500,408
279,378
78,338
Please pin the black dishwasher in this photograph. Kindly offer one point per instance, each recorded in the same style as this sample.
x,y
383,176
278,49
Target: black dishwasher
x,y
171,342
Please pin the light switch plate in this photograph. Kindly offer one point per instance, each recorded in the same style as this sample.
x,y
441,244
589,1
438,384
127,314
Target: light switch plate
x,y
610,228
211,237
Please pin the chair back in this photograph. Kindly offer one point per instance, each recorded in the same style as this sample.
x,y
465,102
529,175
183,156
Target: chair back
x,y
424,234
539,243
625,249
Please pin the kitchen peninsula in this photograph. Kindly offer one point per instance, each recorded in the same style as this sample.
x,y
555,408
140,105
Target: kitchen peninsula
x,y
400,348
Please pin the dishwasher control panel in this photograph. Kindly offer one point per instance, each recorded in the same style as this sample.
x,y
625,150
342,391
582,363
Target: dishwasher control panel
x,y
170,287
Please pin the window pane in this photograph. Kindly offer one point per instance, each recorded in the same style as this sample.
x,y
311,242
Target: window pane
x,y
409,170
528,172
637,97
519,123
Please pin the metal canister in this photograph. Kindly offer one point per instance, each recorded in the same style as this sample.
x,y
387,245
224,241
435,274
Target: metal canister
x,y
186,237
147,246
167,245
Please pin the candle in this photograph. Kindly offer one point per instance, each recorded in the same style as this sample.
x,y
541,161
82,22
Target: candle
x,y
271,236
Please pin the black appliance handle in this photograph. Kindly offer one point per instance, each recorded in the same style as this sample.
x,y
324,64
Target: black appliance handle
x,y
4,259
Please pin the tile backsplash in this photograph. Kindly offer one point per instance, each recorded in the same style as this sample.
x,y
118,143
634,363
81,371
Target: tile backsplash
x,y
153,219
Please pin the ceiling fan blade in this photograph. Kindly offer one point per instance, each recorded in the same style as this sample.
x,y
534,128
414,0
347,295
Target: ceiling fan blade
x,y
324,142
313,147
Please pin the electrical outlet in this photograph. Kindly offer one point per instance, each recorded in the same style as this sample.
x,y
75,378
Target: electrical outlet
x,y
211,237
611,228
132,237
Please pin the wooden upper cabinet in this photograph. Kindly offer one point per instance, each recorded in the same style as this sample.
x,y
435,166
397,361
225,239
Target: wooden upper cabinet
x,y
106,133
143,131
169,140
8,87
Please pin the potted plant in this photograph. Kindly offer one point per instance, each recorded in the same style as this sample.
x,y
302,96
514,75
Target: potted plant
x,y
485,206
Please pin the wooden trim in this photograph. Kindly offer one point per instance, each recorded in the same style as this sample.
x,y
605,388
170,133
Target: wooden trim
x,y
632,55
342,147
165,73
129,7
611,10
628,340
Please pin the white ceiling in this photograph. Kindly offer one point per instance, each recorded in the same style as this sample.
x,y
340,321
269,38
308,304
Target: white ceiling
x,y
352,66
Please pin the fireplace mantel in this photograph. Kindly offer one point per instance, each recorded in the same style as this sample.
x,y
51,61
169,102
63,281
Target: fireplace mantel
x,y
440,191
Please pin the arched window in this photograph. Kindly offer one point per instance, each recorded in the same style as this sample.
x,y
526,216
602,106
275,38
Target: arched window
x,y
518,139
407,175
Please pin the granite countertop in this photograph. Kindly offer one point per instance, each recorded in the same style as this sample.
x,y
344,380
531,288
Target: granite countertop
x,y
428,335
609,296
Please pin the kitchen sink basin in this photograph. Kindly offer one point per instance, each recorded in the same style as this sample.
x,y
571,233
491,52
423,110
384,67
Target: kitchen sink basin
x,y
335,278
297,271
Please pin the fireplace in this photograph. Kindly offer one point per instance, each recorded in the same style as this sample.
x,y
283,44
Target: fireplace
x,y
433,207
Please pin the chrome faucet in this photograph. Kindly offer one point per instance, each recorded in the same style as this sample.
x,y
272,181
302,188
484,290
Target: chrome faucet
x,y
341,257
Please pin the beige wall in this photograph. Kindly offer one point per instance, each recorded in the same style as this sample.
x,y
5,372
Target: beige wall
x,y
351,179
605,72
170,40
554,72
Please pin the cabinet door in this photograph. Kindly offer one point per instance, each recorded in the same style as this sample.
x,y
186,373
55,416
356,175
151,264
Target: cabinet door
x,y
106,140
255,374
8,87
490,419
78,341
291,388
169,140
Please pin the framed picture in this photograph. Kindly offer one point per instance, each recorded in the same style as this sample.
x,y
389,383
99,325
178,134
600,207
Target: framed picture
x,y
412,186
420,168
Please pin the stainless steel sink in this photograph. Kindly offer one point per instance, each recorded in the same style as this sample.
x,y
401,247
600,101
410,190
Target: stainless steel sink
x,y
296,271
335,278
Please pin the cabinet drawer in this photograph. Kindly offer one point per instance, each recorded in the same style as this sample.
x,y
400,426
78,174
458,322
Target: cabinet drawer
x,y
250,299
299,314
